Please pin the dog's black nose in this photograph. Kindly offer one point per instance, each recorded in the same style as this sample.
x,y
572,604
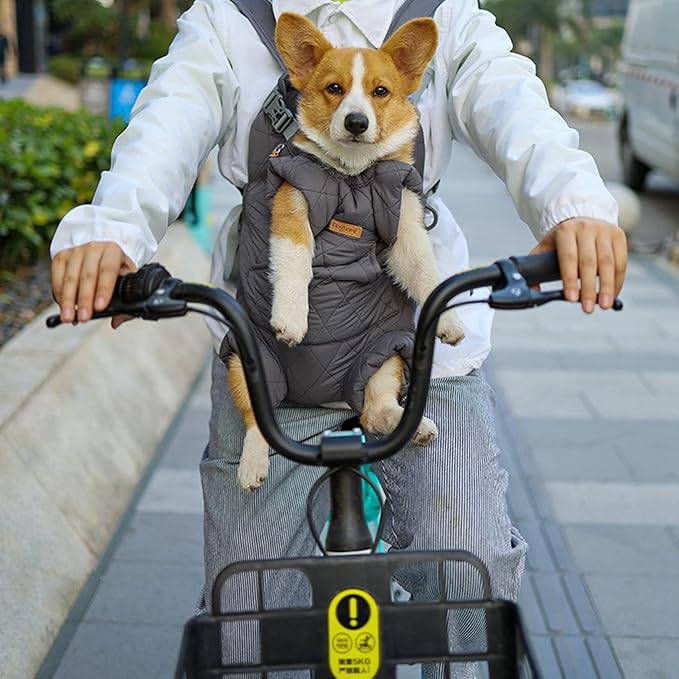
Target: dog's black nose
x,y
356,123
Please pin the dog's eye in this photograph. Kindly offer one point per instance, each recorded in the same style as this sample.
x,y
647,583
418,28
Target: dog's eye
x,y
334,88
381,91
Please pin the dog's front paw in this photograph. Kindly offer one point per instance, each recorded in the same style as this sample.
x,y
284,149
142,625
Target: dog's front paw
x,y
288,329
254,462
450,329
426,432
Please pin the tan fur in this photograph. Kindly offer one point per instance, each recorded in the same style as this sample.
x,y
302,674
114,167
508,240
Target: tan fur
x,y
381,410
335,82
239,391
254,462
289,216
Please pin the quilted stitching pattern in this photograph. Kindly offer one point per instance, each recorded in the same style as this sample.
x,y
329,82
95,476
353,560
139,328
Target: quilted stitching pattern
x,y
357,317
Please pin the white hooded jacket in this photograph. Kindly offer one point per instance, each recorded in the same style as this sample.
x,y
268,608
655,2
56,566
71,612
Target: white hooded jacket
x,y
207,91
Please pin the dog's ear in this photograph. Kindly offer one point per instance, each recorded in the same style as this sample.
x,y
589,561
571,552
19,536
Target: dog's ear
x,y
301,45
411,48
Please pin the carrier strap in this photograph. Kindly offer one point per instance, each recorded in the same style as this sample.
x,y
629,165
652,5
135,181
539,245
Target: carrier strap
x,y
261,16
411,9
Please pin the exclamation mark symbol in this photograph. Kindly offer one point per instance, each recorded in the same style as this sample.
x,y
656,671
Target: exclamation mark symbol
x,y
353,611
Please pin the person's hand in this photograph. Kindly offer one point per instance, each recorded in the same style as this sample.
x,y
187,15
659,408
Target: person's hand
x,y
84,277
587,249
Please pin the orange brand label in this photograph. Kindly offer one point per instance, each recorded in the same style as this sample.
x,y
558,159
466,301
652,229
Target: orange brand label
x,y
345,229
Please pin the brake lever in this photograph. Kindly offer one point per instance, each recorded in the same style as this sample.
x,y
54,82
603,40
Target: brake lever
x,y
517,294
160,304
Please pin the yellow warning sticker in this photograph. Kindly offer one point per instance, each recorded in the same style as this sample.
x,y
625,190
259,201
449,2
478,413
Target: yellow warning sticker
x,y
353,634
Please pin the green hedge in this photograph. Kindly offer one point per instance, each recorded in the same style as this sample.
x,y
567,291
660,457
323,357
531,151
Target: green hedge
x,y
65,67
50,161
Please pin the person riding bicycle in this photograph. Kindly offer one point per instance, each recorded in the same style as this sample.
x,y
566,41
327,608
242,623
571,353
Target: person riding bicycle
x,y
206,92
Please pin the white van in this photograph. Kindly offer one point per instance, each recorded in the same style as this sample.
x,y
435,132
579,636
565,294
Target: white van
x,y
649,125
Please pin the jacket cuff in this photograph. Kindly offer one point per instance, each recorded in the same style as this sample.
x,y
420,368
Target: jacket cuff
x,y
561,211
84,225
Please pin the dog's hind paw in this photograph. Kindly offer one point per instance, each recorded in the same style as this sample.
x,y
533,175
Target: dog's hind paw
x,y
426,432
254,462
450,329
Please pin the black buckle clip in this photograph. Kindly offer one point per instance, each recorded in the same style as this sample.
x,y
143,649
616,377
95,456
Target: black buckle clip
x,y
279,114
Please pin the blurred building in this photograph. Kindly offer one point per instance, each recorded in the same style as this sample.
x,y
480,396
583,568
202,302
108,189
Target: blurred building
x,y
609,8
26,23
8,27
608,12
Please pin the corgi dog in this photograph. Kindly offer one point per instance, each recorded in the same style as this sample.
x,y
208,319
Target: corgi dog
x,y
353,112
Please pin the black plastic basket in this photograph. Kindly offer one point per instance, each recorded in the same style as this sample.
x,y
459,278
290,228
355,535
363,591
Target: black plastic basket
x,y
326,638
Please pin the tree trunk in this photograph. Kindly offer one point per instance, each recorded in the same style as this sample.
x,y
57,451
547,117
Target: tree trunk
x,y
168,13
546,71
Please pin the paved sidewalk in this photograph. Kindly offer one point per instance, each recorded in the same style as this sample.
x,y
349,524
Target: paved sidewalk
x,y
18,86
42,89
589,421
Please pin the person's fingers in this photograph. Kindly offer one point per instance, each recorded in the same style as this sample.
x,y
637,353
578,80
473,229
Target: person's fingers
x,y
606,264
57,270
587,264
567,252
89,273
109,270
71,281
620,255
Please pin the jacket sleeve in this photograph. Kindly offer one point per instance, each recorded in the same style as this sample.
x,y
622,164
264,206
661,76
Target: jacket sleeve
x,y
186,108
499,107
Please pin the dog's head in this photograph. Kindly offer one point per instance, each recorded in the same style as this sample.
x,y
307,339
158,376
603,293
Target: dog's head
x,y
354,102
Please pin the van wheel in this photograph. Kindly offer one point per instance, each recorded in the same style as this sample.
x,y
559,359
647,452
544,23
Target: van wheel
x,y
634,171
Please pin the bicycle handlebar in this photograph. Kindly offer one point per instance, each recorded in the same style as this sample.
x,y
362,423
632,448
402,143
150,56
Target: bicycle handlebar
x,y
151,293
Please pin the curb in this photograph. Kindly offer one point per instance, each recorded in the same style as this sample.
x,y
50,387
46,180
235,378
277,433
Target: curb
x,y
82,411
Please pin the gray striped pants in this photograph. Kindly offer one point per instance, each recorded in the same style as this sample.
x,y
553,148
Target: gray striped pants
x,y
449,495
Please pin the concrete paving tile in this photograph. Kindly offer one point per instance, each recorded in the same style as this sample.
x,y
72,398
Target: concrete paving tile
x,y
552,596
583,434
557,343
140,593
185,449
166,538
522,359
574,657
604,658
545,358
553,405
558,546
539,557
112,651
582,604
615,503
182,452
174,491
664,384
546,657
531,612
519,500
640,405
634,361
600,462
637,605
623,549
581,394
647,658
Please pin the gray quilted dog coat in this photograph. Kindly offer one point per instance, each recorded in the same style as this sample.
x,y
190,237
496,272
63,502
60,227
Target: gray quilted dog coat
x,y
358,317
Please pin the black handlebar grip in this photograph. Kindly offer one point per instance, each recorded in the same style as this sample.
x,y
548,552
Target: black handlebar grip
x,y
133,288
538,268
